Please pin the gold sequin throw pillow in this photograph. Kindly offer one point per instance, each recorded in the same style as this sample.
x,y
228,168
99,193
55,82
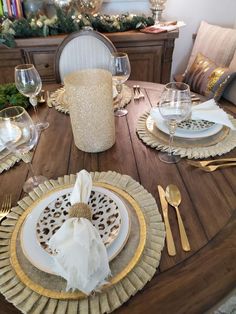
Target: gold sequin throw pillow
x,y
206,78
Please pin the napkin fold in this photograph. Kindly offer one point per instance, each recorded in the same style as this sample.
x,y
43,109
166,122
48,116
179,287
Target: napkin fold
x,y
81,255
208,110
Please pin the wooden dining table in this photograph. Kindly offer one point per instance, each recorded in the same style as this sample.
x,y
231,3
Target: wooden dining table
x,y
189,282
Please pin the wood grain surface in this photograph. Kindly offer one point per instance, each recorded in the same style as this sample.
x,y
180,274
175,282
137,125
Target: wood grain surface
x,y
190,282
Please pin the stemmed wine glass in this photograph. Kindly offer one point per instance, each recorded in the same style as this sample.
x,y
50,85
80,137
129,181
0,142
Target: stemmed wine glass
x,y
19,135
28,83
120,67
174,107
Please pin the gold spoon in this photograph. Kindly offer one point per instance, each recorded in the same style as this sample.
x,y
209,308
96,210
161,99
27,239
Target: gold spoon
x,y
173,197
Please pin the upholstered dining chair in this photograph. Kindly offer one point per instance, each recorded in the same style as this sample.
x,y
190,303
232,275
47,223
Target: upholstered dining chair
x,y
211,69
81,50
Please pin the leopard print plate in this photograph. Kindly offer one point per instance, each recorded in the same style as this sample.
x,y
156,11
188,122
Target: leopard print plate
x,y
105,217
195,125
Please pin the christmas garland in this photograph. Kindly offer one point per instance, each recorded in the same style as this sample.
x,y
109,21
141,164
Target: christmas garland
x,y
67,22
10,96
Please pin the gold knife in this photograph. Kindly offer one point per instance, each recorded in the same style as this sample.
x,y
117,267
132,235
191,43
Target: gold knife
x,y
169,238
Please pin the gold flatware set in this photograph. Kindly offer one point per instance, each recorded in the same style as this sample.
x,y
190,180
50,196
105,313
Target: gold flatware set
x,y
169,237
173,197
212,165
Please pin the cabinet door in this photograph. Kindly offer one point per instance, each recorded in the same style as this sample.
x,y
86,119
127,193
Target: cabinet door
x,y
9,59
145,63
43,59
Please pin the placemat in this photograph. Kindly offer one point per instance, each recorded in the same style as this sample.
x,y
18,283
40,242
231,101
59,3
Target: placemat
x,y
7,160
139,268
216,145
58,101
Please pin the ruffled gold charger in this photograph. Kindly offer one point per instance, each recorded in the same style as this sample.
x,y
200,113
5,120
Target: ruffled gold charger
x,y
7,160
193,148
58,99
33,291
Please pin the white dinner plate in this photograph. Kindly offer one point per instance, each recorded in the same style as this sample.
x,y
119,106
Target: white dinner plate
x,y
214,129
43,260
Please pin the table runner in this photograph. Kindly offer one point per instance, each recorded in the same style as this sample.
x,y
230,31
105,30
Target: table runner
x,y
29,301
219,144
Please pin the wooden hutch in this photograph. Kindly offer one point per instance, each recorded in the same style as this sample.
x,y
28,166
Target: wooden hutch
x,y
150,55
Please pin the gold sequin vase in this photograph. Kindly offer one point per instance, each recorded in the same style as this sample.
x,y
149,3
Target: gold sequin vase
x,y
89,94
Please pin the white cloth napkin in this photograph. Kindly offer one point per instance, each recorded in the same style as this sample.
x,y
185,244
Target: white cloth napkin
x,y
208,110
82,257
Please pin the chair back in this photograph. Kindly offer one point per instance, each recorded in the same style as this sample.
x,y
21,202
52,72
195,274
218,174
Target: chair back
x,y
85,49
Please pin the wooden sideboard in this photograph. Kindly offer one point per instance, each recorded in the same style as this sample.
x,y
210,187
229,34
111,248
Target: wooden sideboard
x,y
150,55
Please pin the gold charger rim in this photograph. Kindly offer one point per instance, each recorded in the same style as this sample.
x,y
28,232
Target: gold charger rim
x,y
77,295
198,152
8,162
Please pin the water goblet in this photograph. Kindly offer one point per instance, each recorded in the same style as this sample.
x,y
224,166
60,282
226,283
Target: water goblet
x,y
120,67
19,135
28,83
174,107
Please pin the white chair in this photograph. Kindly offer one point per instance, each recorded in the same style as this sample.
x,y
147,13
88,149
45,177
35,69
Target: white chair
x,y
85,49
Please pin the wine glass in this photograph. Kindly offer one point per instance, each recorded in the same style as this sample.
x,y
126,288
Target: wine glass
x,y
120,67
28,83
19,135
174,107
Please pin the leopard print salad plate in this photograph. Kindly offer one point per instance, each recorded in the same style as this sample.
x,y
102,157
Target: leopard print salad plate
x,y
195,125
105,217
58,199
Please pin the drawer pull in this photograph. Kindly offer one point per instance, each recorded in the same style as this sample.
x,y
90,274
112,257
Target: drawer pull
x,y
46,65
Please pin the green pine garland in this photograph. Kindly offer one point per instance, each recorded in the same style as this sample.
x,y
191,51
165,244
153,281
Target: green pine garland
x,y
68,21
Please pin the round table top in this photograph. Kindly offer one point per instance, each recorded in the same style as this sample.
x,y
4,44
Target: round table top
x,y
190,282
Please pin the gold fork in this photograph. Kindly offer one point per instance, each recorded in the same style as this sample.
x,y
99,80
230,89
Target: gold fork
x,y
215,167
207,162
6,206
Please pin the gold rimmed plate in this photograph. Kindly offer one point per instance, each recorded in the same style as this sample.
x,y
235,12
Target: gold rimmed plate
x,y
37,254
188,133
105,217
187,138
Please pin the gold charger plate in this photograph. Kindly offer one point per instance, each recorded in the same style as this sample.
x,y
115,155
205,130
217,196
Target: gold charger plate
x,y
31,290
78,295
58,99
7,160
214,145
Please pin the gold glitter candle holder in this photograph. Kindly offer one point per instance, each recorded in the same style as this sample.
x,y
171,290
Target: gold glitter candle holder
x,y
89,94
